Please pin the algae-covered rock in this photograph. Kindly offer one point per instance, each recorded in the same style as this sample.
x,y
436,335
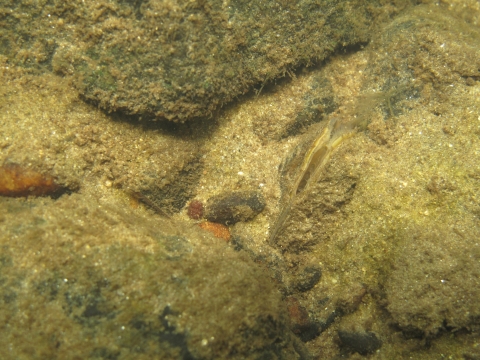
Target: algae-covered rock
x,y
180,59
434,279
82,279
423,51
81,146
435,282
393,218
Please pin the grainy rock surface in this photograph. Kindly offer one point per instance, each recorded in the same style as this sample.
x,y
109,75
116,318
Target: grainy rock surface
x,y
180,59
435,279
78,146
86,279
392,222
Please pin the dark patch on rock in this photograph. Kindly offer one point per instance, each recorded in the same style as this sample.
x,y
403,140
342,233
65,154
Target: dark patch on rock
x,y
172,337
363,343
163,331
136,5
301,324
232,207
49,288
237,243
331,319
167,197
104,354
308,331
470,80
318,103
92,310
410,332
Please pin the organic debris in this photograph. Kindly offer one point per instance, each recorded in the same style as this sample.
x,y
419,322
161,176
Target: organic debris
x,y
19,181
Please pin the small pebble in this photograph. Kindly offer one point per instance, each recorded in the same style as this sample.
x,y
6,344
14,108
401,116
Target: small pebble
x,y
232,207
195,210
218,230
308,278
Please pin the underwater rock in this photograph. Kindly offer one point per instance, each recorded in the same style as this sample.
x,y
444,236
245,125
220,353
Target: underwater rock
x,y
169,195
232,207
180,59
96,280
399,80
435,283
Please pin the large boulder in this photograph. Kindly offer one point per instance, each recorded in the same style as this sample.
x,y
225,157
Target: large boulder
x,y
180,59
82,279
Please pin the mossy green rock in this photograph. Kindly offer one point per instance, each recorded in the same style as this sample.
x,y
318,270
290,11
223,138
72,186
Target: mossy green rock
x,y
180,59
85,280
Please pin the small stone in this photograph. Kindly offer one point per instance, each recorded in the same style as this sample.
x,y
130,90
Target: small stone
x,y
232,207
195,210
218,230
308,278
363,343
21,181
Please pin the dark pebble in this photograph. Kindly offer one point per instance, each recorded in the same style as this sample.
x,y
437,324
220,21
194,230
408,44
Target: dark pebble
x,y
230,208
362,342
308,278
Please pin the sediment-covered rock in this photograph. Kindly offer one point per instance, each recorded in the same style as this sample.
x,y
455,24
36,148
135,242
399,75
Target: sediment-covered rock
x,y
178,59
82,279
